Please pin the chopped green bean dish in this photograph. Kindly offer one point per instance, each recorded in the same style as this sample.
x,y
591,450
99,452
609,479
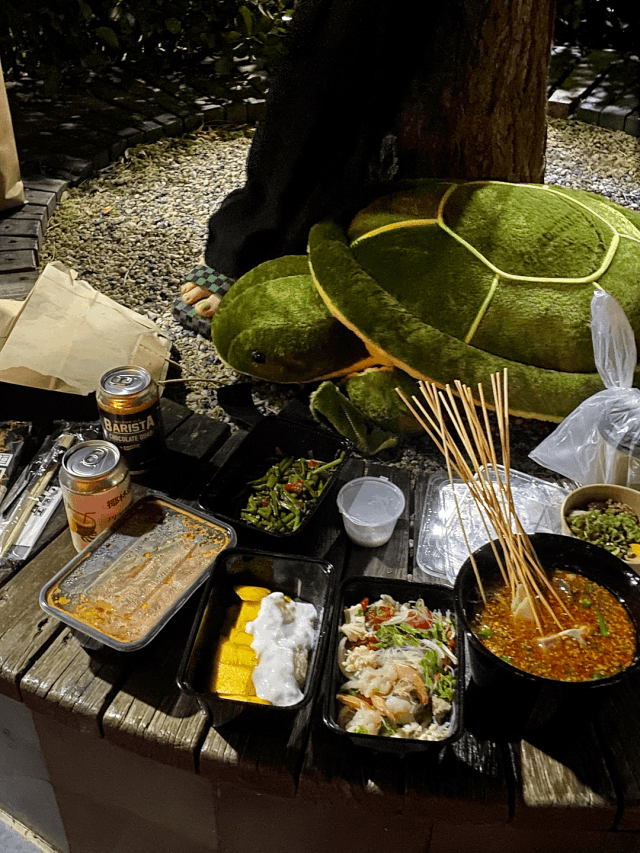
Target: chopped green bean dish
x,y
281,498
610,524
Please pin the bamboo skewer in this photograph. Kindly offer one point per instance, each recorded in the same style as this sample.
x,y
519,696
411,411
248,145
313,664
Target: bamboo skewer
x,y
479,470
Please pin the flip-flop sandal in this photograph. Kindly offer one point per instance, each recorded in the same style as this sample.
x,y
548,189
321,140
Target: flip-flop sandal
x,y
186,315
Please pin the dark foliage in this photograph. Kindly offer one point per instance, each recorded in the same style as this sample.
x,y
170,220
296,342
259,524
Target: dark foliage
x,y
593,24
61,41
236,43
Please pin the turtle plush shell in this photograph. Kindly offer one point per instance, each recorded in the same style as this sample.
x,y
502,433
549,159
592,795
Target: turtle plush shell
x,y
459,281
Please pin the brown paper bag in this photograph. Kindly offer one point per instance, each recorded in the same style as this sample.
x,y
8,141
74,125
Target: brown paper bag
x,y
11,187
66,335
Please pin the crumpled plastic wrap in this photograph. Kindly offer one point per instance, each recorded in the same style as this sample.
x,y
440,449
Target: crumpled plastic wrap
x,y
599,442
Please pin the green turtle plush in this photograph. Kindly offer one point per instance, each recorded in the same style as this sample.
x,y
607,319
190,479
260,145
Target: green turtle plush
x,y
439,281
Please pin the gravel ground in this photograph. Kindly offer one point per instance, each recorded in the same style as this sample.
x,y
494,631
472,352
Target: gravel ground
x,y
134,230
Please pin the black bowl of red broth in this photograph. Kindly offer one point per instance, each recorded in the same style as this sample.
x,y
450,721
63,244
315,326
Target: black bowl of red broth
x,y
528,673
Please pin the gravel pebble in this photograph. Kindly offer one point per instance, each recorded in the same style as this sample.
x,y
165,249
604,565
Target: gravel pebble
x,y
138,227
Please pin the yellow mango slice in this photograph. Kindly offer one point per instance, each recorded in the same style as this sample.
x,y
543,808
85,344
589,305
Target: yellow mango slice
x,y
251,593
231,678
234,659
240,637
236,653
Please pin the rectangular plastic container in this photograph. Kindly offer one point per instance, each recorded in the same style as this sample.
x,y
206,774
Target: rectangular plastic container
x,y
126,585
301,578
270,440
352,591
442,549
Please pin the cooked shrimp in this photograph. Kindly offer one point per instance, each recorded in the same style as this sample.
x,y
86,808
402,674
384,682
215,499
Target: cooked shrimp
x,y
353,701
396,709
365,715
409,680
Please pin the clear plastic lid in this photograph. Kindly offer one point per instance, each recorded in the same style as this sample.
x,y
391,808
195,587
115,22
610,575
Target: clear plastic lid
x,y
442,549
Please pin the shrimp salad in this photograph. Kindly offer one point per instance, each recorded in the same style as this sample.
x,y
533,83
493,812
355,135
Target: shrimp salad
x,y
401,668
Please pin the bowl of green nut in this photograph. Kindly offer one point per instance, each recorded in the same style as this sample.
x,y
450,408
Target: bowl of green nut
x,y
607,515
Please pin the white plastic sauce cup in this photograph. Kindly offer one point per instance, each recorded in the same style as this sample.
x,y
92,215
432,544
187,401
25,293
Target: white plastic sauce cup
x,y
370,508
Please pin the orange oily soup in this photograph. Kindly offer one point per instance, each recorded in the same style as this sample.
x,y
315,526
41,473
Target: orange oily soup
x,y
604,644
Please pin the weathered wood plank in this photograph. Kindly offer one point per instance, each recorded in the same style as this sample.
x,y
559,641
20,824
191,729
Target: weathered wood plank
x,y
41,198
45,184
68,684
17,285
550,789
617,724
31,212
25,631
149,715
18,260
14,244
21,227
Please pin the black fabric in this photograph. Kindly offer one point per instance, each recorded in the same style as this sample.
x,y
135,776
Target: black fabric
x,y
330,104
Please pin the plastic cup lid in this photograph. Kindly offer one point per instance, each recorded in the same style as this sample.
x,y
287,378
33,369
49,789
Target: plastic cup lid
x,y
370,501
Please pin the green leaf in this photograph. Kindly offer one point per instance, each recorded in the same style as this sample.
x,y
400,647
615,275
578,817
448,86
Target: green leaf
x,y
604,628
87,14
52,82
224,66
247,19
107,35
173,25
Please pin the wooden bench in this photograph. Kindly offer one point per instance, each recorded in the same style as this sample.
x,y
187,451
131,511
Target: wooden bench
x,y
136,767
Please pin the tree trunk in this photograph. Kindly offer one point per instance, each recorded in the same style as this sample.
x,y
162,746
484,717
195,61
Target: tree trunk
x,y
485,117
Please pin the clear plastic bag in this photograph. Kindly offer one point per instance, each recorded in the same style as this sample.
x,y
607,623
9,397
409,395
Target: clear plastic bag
x,y
599,442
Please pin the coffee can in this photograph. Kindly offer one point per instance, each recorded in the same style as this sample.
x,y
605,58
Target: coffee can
x,y
129,405
96,489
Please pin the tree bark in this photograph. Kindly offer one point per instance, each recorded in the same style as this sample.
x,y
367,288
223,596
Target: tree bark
x,y
485,115
461,84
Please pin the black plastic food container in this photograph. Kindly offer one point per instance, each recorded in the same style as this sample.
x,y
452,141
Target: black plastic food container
x,y
352,591
270,440
521,702
301,578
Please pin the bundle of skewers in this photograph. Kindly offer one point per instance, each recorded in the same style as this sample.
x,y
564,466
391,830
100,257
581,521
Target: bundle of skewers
x,y
465,439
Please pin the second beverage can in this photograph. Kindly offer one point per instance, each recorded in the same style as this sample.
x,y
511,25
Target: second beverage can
x,y
129,405
96,489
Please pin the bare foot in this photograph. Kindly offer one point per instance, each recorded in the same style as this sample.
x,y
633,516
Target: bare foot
x,y
206,303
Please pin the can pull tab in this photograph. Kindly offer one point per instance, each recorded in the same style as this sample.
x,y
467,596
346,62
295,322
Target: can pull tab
x,y
123,380
95,457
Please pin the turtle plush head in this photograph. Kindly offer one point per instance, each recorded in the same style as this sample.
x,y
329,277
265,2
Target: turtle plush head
x,y
273,325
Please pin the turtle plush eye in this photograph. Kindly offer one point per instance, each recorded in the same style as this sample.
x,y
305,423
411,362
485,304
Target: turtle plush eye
x,y
258,357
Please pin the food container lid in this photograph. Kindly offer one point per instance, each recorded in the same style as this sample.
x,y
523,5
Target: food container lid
x,y
371,501
91,459
129,581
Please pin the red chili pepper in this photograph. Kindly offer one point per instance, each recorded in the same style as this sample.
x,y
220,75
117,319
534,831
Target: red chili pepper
x,y
296,487
312,463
